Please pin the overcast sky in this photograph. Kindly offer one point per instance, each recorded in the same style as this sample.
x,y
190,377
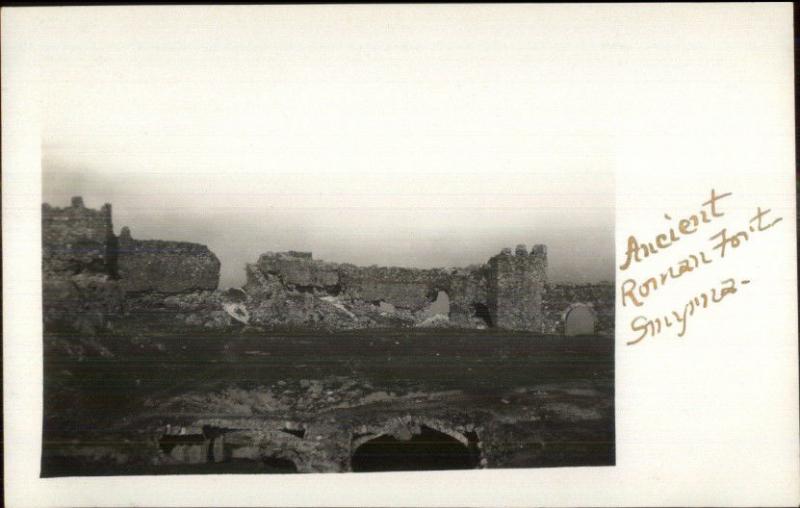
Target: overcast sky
x,y
391,139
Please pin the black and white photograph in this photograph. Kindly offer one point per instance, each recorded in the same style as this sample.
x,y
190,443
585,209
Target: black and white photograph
x,y
375,250
415,254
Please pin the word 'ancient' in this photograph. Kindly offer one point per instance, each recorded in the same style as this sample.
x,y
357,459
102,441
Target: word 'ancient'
x,y
637,251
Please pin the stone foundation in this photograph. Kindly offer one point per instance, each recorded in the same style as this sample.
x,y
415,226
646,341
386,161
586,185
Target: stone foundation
x,y
124,276
165,267
510,286
558,299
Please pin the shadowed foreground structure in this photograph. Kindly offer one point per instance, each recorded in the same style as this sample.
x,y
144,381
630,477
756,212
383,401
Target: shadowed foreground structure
x,y
313,366
169,402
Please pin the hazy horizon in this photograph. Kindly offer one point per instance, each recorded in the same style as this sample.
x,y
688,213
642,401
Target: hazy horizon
x,y
578,251
403,143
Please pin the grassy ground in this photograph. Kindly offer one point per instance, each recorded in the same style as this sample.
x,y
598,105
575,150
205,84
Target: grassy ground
x,y
478,362
84,396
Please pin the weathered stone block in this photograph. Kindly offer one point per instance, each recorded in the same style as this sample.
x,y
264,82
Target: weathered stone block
x,y
80,302
515,290
260,286
559,298
299,269
412,296
165,267
77,239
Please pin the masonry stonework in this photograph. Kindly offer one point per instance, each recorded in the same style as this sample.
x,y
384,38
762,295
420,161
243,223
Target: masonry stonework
x,y
558,298
165,267
90,271
516,284
77,239
510,286
78,267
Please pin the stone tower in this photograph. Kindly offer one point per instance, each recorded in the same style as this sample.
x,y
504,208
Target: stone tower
x,y
516,283
77,239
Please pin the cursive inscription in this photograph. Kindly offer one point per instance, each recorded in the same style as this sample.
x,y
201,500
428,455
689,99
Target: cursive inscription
x,y
679,318
637,250
724,241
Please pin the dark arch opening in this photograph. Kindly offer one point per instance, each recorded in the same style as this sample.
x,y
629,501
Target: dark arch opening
x,y
279,465
426,451
168,442
482,312
474,448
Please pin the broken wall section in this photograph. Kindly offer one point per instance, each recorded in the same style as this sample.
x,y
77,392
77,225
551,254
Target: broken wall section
x,y
516,283
89,275
77,239
286,288
164,266
560,298
79,289
293,289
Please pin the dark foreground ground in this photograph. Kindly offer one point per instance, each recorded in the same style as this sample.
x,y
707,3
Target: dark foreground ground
x,y
303,402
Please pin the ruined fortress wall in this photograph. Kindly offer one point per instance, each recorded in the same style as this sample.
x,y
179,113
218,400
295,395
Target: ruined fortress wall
x,y
165,267
373,292
516,283
78,263
299,270
559,298
77,239
87,271
468,288
407,288
513,286
509,285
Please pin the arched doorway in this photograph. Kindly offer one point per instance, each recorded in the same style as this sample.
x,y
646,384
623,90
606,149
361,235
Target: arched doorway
x,y
579,320
426,451
482,312
441,305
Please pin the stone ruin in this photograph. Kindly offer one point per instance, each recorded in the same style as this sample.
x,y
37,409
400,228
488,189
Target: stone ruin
x,y
155,294
91,278
506,292
165,267
90,275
